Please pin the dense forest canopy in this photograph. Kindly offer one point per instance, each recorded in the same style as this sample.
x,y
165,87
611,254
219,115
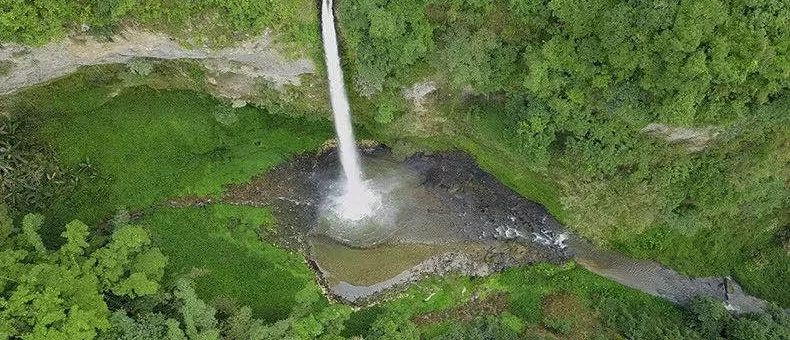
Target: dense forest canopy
x,y
575,86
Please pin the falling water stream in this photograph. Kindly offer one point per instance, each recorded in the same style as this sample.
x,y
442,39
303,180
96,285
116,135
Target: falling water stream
x,y
355,201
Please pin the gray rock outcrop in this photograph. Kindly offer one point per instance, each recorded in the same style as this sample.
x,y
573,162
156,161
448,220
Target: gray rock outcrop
x,y
255,59
694,139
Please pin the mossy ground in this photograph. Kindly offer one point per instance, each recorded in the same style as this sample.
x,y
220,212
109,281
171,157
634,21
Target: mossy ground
x,y
219,247
137,147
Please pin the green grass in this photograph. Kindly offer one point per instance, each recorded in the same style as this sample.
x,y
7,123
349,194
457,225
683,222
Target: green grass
x,y
144,146
528,285
219,247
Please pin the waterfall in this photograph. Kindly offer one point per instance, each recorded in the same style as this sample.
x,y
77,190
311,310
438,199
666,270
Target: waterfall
x,y
356,201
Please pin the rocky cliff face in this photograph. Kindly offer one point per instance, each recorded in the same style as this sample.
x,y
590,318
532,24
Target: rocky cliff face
x,y
255,60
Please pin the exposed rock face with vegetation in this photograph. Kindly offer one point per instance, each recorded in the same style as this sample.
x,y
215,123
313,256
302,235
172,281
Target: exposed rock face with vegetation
x,y
255,61
693,139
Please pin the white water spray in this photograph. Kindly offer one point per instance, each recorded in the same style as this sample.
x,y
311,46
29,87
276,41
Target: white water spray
x,y
357,201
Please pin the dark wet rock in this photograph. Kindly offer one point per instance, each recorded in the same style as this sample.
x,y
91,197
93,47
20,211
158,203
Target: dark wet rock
x,y
485,206
445,198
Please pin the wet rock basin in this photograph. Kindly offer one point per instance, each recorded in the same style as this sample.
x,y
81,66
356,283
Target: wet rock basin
x,y
442,214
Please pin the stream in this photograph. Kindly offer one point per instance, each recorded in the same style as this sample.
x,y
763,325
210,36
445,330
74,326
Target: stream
x,y
446,216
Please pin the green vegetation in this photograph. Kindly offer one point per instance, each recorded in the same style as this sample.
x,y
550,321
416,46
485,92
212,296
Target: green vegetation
x,y
554,97
112,289
59,294
142,147
549,302
118,147
559,91
216,22
219,247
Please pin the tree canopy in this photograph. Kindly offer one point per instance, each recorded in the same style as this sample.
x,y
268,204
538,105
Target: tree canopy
x,y
59,294
574,87
38,22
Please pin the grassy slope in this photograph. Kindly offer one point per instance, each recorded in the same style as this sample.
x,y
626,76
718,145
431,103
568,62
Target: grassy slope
x,y
499,156
145,146
219,247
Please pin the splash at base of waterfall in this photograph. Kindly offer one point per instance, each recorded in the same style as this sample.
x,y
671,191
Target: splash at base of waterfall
x,y
355,203
366,215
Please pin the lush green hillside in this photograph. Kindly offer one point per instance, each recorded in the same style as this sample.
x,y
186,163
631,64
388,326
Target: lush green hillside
x,y
220,248
570,86
136,147
116,291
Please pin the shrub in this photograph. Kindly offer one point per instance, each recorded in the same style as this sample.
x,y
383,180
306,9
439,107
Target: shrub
x,y
708,316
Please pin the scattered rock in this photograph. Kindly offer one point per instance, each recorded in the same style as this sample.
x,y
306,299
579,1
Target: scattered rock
x,y
190,201
421,120
694,139
416,94
492,305
238,103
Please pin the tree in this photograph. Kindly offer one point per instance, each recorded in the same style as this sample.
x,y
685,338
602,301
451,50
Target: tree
x,y
708,316
198,318
128,265
385,37
146,327
394,325
58,294
773,324
466,58
309,319
6,224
